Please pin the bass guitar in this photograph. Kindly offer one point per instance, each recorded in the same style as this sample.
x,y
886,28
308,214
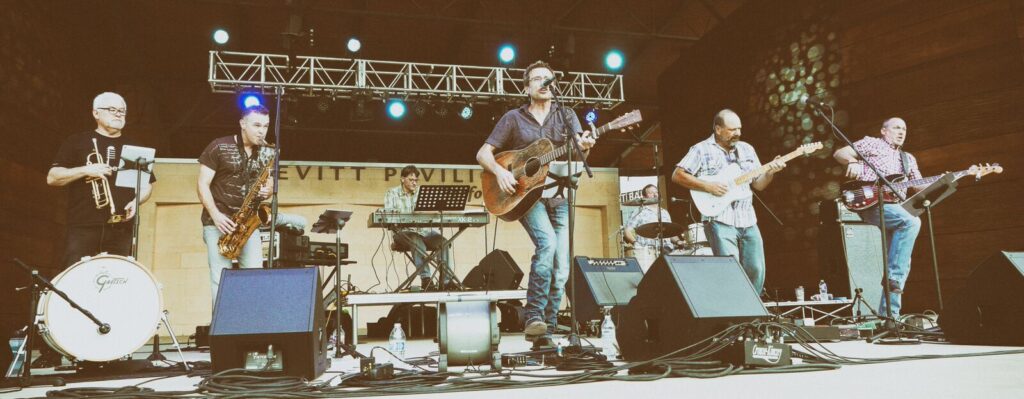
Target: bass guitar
x,y
860,195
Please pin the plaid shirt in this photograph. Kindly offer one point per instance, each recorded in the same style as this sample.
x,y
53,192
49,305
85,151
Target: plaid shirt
x,y
886,158
707,158
644,215
398,200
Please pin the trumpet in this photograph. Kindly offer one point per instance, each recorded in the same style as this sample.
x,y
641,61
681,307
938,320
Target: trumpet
x,y
101,186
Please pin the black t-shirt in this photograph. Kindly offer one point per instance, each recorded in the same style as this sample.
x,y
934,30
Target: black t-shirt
x,y
72,154
234,171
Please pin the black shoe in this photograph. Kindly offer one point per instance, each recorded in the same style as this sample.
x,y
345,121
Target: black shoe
x,y
544,342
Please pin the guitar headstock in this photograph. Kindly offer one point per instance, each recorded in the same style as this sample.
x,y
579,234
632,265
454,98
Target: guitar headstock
x,y
810,148
980,170
626,120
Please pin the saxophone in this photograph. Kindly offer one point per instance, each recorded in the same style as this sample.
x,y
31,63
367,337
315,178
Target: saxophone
x,y
249,217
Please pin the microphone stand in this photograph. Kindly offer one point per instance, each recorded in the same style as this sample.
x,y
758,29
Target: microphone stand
x,y
880,184
278,93
574,337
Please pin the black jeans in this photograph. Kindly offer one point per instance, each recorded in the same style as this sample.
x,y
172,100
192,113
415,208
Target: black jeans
x,y
90,240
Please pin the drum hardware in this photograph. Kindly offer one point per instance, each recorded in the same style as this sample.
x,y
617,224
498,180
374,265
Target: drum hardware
x,y
655,230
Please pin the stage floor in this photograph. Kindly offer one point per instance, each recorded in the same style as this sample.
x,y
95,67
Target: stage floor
x,y
993,376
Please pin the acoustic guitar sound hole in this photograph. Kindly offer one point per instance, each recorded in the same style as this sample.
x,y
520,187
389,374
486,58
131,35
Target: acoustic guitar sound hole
x,y
532,166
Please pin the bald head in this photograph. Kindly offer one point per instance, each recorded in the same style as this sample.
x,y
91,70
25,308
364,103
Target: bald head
x,y
110,110
894,131
727,128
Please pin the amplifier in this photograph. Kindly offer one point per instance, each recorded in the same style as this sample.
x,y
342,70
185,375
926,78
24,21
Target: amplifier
x,y
327,251
833,211
288,247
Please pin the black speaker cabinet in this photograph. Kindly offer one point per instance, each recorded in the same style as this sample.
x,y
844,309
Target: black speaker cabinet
x,y
683,300
257,308
989,310
850,257
496,271
603,282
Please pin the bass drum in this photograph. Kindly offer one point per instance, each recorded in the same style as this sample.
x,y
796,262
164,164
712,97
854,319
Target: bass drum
x,y
118,291
644,255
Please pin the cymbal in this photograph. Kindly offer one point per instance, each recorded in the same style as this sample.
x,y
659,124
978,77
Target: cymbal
x,y
641,201
668,229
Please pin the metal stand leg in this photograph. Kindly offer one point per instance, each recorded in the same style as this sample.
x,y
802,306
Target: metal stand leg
x,y
167,325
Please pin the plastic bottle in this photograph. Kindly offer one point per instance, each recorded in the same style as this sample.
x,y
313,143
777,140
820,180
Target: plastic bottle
x,y
609,344
823,290
396,342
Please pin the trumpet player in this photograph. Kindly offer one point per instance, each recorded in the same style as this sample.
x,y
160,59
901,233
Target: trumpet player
x,y
98,212
228,167
86,163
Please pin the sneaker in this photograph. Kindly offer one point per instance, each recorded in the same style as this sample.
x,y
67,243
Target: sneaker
x,y
894,287
536,327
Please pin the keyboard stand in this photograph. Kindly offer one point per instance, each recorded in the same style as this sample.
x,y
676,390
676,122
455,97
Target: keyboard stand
x,y
437,198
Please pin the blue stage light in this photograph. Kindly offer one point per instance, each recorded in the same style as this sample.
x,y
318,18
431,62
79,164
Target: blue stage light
x,y
396,109
251,100
614,60
507,54
591,116
467,112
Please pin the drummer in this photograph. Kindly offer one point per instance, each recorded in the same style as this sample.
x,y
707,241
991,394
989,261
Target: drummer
x,y
648,213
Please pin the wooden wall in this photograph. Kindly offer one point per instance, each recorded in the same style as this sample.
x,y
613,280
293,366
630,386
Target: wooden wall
x,y
171,241
954,70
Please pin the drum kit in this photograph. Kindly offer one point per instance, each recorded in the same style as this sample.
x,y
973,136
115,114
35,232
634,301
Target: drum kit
x,y
694,239
100,310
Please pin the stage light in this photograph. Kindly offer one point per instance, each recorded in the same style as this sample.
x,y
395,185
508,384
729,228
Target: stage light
x,y
220,36
591,116
507,54
396,109
441,110
354,45
419,108
614,60
251,100
467,112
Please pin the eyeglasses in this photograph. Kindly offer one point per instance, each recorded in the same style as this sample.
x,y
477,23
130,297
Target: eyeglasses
x,y
538,78
115,111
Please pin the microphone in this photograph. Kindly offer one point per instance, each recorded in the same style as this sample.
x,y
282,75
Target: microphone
x,y
111,152
547,82
674,199
814,102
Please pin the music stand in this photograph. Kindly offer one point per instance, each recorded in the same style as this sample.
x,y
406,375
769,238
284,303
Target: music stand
x,y
332,221
923,202
442,198
135,162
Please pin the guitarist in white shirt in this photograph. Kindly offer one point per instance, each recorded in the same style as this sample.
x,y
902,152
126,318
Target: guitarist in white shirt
x,y
902,228
733,232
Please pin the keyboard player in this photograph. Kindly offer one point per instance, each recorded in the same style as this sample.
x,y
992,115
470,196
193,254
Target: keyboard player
x,y
403,199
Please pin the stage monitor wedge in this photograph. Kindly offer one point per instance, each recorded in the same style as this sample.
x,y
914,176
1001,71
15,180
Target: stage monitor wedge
x,y
989,310
683,300
257,308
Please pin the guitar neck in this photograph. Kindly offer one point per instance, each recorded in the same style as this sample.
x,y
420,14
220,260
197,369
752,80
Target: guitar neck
x,y
928,180
563,149
751,175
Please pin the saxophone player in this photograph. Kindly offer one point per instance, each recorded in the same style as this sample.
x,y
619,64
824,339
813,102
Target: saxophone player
x,y
228,167
98,212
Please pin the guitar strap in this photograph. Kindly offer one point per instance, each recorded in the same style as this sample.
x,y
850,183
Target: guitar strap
x,y
904,162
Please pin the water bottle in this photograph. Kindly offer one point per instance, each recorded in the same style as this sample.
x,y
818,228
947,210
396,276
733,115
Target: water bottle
x,y
608,343
396,342
823,290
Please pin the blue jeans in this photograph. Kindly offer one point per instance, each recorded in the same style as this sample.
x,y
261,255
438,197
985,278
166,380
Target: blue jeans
x,y
742,243
251,256
901,231
549,269
430,242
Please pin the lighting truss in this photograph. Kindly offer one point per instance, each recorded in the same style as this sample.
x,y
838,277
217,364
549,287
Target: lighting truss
x,y
233,72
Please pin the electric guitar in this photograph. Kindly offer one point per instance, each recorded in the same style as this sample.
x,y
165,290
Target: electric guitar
x,y
530,166
732,176
860,195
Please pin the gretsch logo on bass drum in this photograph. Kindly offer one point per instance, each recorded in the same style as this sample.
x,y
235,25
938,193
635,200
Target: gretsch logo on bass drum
x,y
104,281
